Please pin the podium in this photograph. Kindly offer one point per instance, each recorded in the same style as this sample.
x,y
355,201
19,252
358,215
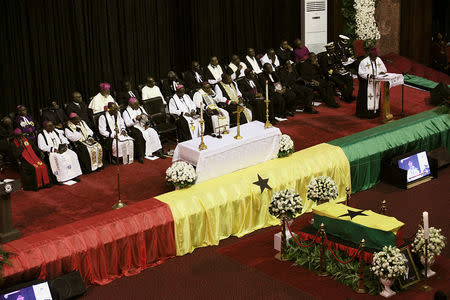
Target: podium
x,y
388,81
7,230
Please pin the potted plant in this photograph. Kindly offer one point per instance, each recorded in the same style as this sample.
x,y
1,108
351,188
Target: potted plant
x,y
286,146
181,175
322,189
436,243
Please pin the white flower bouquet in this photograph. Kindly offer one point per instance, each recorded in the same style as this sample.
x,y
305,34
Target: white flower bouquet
x,y
322,189
366,26
181,174
389,263
286,146
286,202
436,243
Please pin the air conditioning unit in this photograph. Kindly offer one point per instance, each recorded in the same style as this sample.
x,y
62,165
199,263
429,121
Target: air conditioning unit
x,y
314,29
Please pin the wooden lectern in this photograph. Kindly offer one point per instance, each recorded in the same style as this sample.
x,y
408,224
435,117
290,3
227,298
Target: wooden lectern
x,y
388,81
7,230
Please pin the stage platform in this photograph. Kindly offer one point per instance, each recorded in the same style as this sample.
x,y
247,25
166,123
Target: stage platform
x,y
67,228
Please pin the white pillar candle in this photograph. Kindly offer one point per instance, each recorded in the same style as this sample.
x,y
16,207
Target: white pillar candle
x,y
426,228
267,90
201,110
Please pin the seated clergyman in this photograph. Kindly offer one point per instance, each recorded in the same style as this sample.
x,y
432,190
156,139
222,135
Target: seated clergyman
x,y
229,95
216,119
110,125
98,103
182,105
146,139
89,151
63,161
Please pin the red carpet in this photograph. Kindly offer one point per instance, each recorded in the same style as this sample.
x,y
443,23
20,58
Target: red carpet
x,y
257,252
103,248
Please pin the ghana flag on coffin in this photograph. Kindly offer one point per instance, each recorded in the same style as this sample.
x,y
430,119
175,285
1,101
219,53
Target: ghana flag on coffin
x,y
352,224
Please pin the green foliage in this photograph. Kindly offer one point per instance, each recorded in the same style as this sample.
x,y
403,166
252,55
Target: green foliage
x,y
349,12
347,274
4,260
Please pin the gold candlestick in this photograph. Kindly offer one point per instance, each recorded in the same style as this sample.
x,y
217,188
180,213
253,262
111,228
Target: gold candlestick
x,y
268,124
202,145
238,111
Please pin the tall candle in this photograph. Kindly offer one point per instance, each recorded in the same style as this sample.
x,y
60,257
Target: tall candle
x,y
201,110
267,90
426,228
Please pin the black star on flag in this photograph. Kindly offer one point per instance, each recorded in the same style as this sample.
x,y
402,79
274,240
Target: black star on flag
x,y
352,214
262,183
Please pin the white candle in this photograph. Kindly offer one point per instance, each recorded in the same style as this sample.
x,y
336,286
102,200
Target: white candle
x,y
267,90
201,110
426,229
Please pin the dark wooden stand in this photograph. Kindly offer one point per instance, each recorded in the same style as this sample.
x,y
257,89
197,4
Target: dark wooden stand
x,y
7,230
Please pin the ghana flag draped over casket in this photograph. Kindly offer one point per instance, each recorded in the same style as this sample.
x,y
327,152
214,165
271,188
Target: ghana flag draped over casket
x,y
352,224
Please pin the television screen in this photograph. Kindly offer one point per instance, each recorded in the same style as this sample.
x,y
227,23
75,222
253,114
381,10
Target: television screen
x,y
416,165
39,291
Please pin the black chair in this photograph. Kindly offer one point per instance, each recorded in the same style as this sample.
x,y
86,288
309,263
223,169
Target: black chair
x,y
160,120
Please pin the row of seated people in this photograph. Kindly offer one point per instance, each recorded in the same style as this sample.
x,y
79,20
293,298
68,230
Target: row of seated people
x,y
58,153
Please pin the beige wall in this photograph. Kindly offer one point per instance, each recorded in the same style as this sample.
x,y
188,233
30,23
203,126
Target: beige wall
x,y
387,15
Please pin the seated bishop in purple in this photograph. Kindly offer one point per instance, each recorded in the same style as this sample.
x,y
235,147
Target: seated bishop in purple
x,y
25,123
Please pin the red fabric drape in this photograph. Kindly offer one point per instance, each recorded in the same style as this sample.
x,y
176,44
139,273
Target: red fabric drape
x,y
30,156
336,246
102,248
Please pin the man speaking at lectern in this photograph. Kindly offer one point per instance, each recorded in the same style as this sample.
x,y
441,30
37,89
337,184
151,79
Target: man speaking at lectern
x,y
369,94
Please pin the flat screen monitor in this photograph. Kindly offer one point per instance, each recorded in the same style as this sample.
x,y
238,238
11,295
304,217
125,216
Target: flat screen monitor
x,y
39,291
416,165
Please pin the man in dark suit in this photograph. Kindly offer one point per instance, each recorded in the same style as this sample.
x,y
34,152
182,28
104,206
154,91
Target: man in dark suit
x,y
332,69
169,85
309,71
252,90
79,107
292,81
277,94
284,53
194,77
55,115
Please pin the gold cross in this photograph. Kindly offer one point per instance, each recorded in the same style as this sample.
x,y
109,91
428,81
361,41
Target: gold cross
x,y
370,96
378,65
192,126
367,65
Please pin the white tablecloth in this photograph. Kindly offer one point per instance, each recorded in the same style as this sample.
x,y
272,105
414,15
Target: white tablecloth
x,y
227,155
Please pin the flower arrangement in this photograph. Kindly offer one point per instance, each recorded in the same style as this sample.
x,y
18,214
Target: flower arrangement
x,y
181,174
366,26
286,202
388,263
322,189
436,242
286,146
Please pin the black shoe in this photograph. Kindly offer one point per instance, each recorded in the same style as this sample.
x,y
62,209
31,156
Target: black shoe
x,y
290,114
160,154
77,179
310,110
141,160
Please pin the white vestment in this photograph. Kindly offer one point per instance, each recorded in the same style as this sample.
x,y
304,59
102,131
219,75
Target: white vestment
x,y
99,102
152,92
219,122
254,63
366,68
152,142
216,72
265,59
81,133
106,126
235,94
234,68
65,166
179,106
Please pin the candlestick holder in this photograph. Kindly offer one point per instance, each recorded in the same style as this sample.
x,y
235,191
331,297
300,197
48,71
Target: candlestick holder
x,y
268,124
425,287
202,145
238,111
